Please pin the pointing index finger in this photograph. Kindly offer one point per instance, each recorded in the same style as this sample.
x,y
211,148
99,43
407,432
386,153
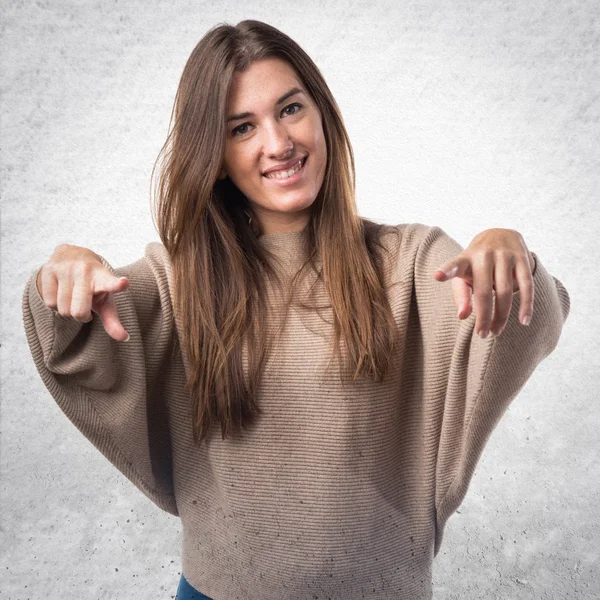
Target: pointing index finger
x,y
523,274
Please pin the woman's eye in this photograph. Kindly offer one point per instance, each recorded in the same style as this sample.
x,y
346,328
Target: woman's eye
x,y
237,131
293,104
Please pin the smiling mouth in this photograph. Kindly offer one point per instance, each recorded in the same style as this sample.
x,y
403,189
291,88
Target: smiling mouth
x,y
287,177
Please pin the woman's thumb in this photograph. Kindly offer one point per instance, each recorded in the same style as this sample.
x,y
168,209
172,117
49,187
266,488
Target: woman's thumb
x,y
105,306
116,284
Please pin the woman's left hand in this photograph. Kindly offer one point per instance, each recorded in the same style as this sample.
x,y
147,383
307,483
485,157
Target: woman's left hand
x,y
496,260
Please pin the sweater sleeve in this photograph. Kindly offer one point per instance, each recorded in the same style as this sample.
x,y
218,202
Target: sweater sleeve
x,y
475,378
113,392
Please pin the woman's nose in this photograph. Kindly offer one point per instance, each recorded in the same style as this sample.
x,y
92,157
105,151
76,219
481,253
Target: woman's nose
x,y
276,141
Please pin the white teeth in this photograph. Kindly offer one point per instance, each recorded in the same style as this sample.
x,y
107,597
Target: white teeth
x,y
285,174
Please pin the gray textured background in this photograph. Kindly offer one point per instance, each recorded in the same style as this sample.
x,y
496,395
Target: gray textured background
x,y
467,115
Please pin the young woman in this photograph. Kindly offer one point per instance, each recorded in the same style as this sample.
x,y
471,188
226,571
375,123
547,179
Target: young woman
x,y
292,479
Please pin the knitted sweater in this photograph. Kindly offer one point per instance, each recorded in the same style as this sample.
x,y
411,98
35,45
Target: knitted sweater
x,y
341,490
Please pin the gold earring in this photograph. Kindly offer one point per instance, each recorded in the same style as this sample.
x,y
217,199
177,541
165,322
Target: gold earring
x,y
252,223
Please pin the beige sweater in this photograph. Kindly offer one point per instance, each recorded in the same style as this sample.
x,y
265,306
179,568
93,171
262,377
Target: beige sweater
x,y
340,491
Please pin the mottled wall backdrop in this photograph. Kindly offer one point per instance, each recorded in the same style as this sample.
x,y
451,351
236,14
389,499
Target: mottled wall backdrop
x,y
468,115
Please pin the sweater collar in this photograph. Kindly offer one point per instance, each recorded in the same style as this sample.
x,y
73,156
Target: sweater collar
x,y
283,238
288,246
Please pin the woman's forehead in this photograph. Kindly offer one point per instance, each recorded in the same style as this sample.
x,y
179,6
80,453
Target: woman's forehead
x,y
264,80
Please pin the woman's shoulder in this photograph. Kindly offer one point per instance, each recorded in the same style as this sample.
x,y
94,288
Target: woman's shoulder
x,y
159,262
156,251
400,236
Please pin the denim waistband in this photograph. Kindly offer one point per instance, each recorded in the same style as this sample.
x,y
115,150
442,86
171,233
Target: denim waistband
x,y
186,592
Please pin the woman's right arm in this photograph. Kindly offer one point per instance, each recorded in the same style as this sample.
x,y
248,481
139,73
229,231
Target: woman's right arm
x,y
112,391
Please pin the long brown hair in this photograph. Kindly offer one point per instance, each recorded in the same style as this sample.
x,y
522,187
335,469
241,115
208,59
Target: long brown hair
x,y
219,264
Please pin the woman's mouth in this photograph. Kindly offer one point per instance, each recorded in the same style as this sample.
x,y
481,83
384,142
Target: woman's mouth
x,y
289,177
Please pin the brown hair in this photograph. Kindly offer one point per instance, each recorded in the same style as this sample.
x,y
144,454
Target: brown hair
x,y
218,262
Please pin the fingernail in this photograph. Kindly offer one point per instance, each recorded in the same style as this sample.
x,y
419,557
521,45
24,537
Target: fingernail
x,y
127,338
526,319
484,333
451,273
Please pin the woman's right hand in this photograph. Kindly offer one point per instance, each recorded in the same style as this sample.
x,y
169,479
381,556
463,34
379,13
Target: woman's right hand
x,y
75,282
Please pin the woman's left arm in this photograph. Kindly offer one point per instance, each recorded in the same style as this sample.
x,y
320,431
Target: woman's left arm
x,y
478,377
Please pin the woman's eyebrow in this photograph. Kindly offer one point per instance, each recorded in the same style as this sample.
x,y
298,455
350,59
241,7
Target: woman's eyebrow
x,y
245,115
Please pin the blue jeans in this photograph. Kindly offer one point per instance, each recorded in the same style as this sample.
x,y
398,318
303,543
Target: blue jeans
x,y
186,592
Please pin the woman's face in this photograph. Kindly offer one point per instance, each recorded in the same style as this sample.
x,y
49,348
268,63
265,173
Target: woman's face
x,y
274,123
